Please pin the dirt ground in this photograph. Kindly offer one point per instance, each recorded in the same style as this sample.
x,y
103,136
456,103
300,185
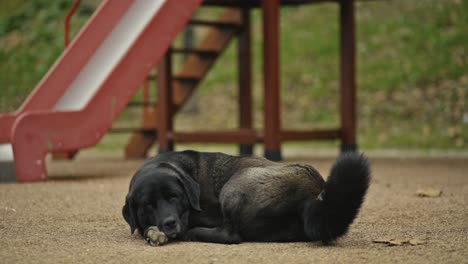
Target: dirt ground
x,y
76,217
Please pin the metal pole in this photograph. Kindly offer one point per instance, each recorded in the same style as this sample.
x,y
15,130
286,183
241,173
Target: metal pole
x,y
347,76
245,78
271,79
165,107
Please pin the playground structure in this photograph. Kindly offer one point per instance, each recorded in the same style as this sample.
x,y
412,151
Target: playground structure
x,y
98,73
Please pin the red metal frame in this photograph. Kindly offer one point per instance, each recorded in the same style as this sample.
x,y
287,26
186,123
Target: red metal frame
x,y
244,58
271,79
165,106
38,130
66,25
273,135
62,73
347,76
66,41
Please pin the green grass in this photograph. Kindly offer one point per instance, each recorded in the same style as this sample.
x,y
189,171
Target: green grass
x,y
412,67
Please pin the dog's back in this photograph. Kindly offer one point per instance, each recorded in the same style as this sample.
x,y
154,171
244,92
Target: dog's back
x,y
292,202
267,202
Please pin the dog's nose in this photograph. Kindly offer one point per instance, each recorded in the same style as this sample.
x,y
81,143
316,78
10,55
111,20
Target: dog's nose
x,y
169,223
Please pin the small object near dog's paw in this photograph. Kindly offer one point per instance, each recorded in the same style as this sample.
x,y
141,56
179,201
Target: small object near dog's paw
x,y
154,237
429,193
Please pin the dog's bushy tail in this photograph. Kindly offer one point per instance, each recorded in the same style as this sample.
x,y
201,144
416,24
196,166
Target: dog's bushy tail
x,y
329,215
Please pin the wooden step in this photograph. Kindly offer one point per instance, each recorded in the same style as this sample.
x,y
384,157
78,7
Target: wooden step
x,y
186,80
202,53
220,24
219,35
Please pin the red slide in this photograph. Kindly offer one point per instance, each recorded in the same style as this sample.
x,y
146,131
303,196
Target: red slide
x,y
90,84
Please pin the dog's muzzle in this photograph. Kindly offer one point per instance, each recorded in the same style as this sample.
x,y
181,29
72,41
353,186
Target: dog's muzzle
x,y
170,227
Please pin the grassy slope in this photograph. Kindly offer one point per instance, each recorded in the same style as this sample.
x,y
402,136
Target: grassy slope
x,y
412,61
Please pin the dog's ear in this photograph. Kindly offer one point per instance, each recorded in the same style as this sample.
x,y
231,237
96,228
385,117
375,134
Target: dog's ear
x,y
191,187
129,213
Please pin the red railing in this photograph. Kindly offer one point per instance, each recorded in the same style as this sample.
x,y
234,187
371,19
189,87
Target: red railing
x,y
66,23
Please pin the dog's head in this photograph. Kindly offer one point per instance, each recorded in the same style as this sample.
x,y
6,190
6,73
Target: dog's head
x,y
161,195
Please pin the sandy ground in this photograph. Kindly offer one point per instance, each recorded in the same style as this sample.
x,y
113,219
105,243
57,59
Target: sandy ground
x,y
76,217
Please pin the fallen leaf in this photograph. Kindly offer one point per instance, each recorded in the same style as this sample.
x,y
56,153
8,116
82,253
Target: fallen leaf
x,y
429,193
397,242
10,209
415,242
382,240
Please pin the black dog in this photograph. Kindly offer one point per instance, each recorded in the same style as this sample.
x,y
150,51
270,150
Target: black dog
x,y
214,197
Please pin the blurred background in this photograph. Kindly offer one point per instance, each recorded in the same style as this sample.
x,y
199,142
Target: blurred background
x,y
412,75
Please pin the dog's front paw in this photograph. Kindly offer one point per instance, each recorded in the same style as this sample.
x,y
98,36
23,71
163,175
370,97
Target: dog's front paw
x,y
154,237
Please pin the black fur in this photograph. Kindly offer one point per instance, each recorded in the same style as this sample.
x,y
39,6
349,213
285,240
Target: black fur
x,y
214,197
329,216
